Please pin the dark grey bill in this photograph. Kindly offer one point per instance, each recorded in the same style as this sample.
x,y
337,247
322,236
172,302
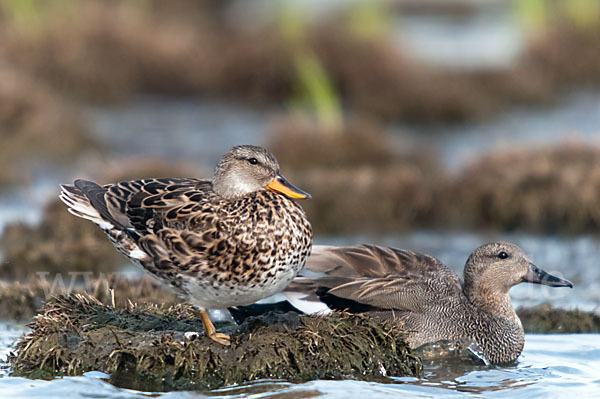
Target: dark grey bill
x,y
538,276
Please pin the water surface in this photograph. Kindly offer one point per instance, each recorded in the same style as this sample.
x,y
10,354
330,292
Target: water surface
x,y
551,365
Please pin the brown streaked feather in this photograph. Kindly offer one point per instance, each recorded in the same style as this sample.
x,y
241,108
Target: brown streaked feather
x,y
96,196
370,261
142,201
386,278
183,224
392,293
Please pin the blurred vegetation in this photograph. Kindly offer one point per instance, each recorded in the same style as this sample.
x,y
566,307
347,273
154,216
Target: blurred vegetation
x,y
363,181
368,20
359,179
344,77
553,190
544,319
532,14
111,50
59,243
316,92
584,14
36,127
539,15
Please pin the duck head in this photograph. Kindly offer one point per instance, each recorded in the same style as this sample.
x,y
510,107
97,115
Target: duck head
x,y
494,268
246,169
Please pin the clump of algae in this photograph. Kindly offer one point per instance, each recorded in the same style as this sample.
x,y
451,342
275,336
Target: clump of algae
x,y
144,347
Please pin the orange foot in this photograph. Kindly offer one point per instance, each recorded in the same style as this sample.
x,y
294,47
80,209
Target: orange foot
x,y
211,332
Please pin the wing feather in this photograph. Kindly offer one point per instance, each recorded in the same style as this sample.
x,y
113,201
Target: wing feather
x,y
385,278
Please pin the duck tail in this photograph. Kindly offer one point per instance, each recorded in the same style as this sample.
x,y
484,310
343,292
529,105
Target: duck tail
x,y
80,204
87,200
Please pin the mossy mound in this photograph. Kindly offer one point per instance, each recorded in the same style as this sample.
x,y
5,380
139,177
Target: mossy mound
x,y
545,319
144,347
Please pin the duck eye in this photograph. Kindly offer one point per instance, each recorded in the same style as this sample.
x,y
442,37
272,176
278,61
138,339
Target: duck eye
x,y
503,255
253,161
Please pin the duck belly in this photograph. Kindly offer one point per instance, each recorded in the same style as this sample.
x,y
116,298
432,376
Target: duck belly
x,y
207,294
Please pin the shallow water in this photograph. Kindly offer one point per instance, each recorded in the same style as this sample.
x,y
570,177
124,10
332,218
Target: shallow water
x,y
551,366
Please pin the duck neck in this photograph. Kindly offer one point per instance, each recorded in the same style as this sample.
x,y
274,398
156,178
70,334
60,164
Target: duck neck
x,y
228,187
492,299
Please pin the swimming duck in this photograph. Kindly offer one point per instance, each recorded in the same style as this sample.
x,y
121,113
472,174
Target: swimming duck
x,y
422,295
217,243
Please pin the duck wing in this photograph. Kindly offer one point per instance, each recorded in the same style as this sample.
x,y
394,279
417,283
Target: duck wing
x,y
179,225
366,260
158,203
145,214
371,277
354,261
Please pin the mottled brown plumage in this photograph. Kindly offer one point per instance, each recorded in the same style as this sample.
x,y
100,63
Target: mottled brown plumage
x,y
223,242
425,297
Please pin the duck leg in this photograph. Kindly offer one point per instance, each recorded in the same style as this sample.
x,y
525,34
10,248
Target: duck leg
x,y
211,332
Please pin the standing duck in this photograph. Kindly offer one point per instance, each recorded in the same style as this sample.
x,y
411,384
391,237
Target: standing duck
x,y
422,295
229,241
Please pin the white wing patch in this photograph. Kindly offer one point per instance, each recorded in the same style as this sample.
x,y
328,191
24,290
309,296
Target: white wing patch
x,y
137,254
297,300
104,225
311,274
